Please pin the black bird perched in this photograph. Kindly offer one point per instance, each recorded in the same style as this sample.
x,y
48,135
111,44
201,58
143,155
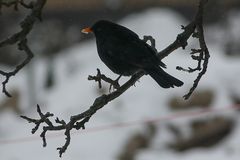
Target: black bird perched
x,y
125,53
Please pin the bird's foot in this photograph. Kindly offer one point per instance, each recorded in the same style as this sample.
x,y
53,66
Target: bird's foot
x,y
115,84
101,77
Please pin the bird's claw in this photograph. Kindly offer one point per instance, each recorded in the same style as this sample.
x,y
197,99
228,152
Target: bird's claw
x,y
115,84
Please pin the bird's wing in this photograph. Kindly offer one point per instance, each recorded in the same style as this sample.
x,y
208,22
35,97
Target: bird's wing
x,y
154,53
125,33
137,52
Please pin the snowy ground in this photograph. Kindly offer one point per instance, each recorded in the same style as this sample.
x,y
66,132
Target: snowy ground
x,y
73,93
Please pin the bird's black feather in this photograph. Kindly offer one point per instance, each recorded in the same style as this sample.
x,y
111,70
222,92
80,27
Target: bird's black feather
x,y
125,53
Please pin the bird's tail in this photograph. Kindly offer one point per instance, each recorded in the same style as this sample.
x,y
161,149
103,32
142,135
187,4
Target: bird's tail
x,y
162,78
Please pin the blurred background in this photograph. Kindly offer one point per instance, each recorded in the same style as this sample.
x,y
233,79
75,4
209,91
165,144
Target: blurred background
x,y
156,123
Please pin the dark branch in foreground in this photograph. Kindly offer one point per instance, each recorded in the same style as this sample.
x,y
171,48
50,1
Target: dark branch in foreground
x,y
99,77
203,53
20,38
15,4
78,121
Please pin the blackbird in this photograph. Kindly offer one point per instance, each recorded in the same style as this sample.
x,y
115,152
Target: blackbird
x,y
125,53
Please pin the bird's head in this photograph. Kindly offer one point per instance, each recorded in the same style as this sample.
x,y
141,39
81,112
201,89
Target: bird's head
x,y
100,27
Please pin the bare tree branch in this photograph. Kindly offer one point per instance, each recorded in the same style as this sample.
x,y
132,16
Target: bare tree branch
x,y
20,37
204,53
78,121
13,3
99,77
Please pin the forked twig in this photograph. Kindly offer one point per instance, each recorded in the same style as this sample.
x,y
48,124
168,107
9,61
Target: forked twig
x,y
20,38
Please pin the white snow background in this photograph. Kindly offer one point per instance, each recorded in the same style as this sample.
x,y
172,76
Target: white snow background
x,y
73,94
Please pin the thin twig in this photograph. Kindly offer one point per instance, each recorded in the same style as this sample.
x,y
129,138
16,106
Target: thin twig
x,y
99,77
204,50
20,38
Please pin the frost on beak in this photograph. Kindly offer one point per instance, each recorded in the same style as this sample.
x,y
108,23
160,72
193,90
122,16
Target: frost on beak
x,y
86,30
